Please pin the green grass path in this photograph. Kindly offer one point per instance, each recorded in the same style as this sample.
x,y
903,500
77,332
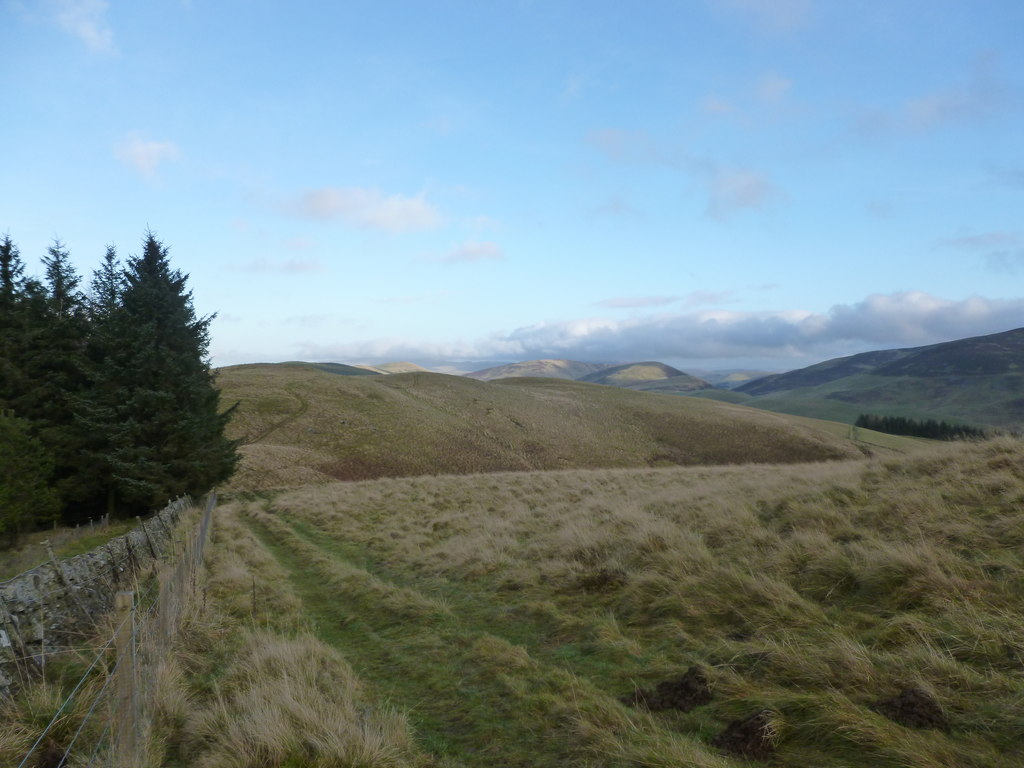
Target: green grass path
x,y
474,698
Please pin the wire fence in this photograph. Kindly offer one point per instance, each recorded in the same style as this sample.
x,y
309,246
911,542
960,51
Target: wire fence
x,y
105,720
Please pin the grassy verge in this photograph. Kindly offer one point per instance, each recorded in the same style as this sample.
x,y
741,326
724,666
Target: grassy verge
x,y
250,685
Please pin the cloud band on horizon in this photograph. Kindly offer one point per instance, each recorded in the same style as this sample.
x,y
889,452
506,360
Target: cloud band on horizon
x,y
904,319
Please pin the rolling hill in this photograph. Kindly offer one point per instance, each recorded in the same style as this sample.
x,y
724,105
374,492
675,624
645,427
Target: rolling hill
x,y
545,369
301,424
387,368
978,380
647,377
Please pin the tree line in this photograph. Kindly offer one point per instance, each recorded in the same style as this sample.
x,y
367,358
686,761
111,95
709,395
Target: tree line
x,y
107,398
934,430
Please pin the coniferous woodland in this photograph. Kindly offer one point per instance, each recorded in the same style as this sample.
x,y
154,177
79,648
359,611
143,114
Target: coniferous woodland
x,y
933,430
108,400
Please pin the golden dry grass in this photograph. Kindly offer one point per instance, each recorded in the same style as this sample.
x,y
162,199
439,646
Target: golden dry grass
x,y
301,425
812,592
249,685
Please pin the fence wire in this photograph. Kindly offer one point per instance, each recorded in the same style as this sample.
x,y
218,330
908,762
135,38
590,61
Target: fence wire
x,y
140,637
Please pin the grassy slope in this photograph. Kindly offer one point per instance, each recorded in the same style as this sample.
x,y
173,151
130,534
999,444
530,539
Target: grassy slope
x,y
992,400
509,615
301,425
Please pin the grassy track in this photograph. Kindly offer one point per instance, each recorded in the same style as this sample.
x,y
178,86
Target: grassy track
x,y
512,616
465,688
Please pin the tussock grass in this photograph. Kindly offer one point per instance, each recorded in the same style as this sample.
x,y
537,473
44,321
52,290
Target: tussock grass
x,y
250,685
538,602
292,701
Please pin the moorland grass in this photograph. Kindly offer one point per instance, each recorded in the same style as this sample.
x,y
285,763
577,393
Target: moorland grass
x,y
300,425
512,616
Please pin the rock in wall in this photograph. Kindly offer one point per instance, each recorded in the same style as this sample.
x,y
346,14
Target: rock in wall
x,y
57,605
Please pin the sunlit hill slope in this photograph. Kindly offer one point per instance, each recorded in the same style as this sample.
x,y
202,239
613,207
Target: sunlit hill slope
x,y
301,424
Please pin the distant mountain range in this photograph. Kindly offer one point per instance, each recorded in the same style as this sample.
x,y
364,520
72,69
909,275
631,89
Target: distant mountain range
x,y
647,376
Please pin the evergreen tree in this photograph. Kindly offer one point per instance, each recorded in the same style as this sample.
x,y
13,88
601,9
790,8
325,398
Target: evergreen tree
x,y
26,498
99,412
165,434
22,307
55,366
12,283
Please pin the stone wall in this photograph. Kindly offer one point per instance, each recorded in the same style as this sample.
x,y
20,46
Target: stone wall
x,y
56,606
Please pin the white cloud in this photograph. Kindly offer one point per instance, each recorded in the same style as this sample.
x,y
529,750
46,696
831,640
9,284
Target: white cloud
x,y
86,20
145,156
879,321
366,208
474,251
795,336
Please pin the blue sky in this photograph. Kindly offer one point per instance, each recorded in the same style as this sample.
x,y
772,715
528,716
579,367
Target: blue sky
x,y
710,183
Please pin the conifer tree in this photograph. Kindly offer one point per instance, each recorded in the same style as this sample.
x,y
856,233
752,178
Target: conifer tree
x,y
99,411
22,306
26,498
166,435
55,366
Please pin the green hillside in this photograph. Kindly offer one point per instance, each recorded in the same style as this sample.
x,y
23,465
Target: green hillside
x,y
301,424
976,381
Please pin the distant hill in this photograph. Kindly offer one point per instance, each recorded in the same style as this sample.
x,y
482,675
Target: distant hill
x,y
647,377
976,381
339,369
823,373
730,379
387,368
300,424
545,369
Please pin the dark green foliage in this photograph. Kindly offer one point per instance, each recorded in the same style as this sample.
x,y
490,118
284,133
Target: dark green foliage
x,y
26,497
154,403
117,387
931,429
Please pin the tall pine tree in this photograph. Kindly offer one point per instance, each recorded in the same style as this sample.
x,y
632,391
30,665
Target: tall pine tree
x,y
165,434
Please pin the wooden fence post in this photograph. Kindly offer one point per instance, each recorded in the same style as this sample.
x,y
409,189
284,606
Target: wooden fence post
x,y
124,710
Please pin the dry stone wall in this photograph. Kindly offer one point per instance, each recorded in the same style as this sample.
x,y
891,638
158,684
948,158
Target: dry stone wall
x,y
57,604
